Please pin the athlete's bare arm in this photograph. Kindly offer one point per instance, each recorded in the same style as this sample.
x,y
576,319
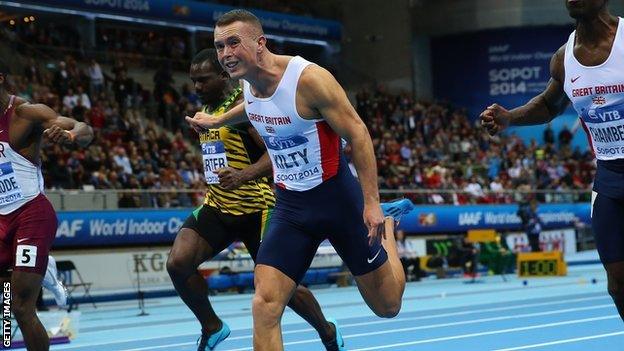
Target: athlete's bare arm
x,y
541,109
202,121
58,129
318,93
230,178
263,167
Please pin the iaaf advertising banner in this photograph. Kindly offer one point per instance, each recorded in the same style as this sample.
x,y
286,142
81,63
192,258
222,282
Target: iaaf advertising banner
x,y
507,66
97,228
123,227
450,219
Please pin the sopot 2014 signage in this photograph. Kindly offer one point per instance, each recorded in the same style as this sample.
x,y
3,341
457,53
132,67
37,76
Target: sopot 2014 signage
x,y
508,66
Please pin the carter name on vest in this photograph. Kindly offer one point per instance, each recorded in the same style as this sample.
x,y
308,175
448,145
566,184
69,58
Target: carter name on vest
x,y
212,134
276,121
212,164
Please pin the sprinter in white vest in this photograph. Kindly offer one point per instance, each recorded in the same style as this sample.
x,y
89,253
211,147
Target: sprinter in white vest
x,y
589,72
27,220
237,207
301,112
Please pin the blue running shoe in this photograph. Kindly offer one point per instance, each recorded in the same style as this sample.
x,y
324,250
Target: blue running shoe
x,y
338,343
209,342
396,209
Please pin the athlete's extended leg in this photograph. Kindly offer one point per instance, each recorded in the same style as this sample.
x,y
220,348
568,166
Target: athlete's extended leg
x,y
608,226
303,301
284,257
615,276
35,225
377,268
273,291
382,288
305,305
188,252
25,287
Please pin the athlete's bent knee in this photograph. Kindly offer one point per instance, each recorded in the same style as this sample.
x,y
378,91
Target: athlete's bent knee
x,y
266,308
302,293
178,267
22,309
389,309
616,289
299,298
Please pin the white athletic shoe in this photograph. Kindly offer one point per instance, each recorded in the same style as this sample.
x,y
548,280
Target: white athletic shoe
x,y
51,282
60,294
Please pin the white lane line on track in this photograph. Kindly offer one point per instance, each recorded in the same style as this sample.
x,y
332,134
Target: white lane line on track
x,y
444,325
349,325
492,332
563,341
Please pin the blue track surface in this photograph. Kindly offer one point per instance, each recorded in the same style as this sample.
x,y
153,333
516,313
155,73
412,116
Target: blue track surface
x,y
561,314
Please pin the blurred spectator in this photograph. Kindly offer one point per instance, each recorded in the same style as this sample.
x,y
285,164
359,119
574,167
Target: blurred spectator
x,y
190,96
31,72
549,135
463,254
565,136
61,79
475,190
83,98
409,257
70,100
124,89
531,223
79,111
97,116
122,160
497,257
96,78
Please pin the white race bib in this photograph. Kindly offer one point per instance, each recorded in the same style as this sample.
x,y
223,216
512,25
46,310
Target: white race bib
x,y
25,256
213,153
10,191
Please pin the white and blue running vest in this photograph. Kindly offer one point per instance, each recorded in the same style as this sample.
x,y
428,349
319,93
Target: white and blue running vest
x,y
304,152
20,179
597,94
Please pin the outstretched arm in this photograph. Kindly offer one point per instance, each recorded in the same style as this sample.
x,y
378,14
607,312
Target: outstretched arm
x,y
202,121
263,167
59,129
541,109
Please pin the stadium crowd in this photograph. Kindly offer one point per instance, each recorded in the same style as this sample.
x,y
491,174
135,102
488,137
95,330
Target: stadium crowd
x,y
432,145
137,46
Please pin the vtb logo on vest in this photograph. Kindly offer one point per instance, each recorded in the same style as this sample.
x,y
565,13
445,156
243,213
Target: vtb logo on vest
x,y
284,159
605,116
